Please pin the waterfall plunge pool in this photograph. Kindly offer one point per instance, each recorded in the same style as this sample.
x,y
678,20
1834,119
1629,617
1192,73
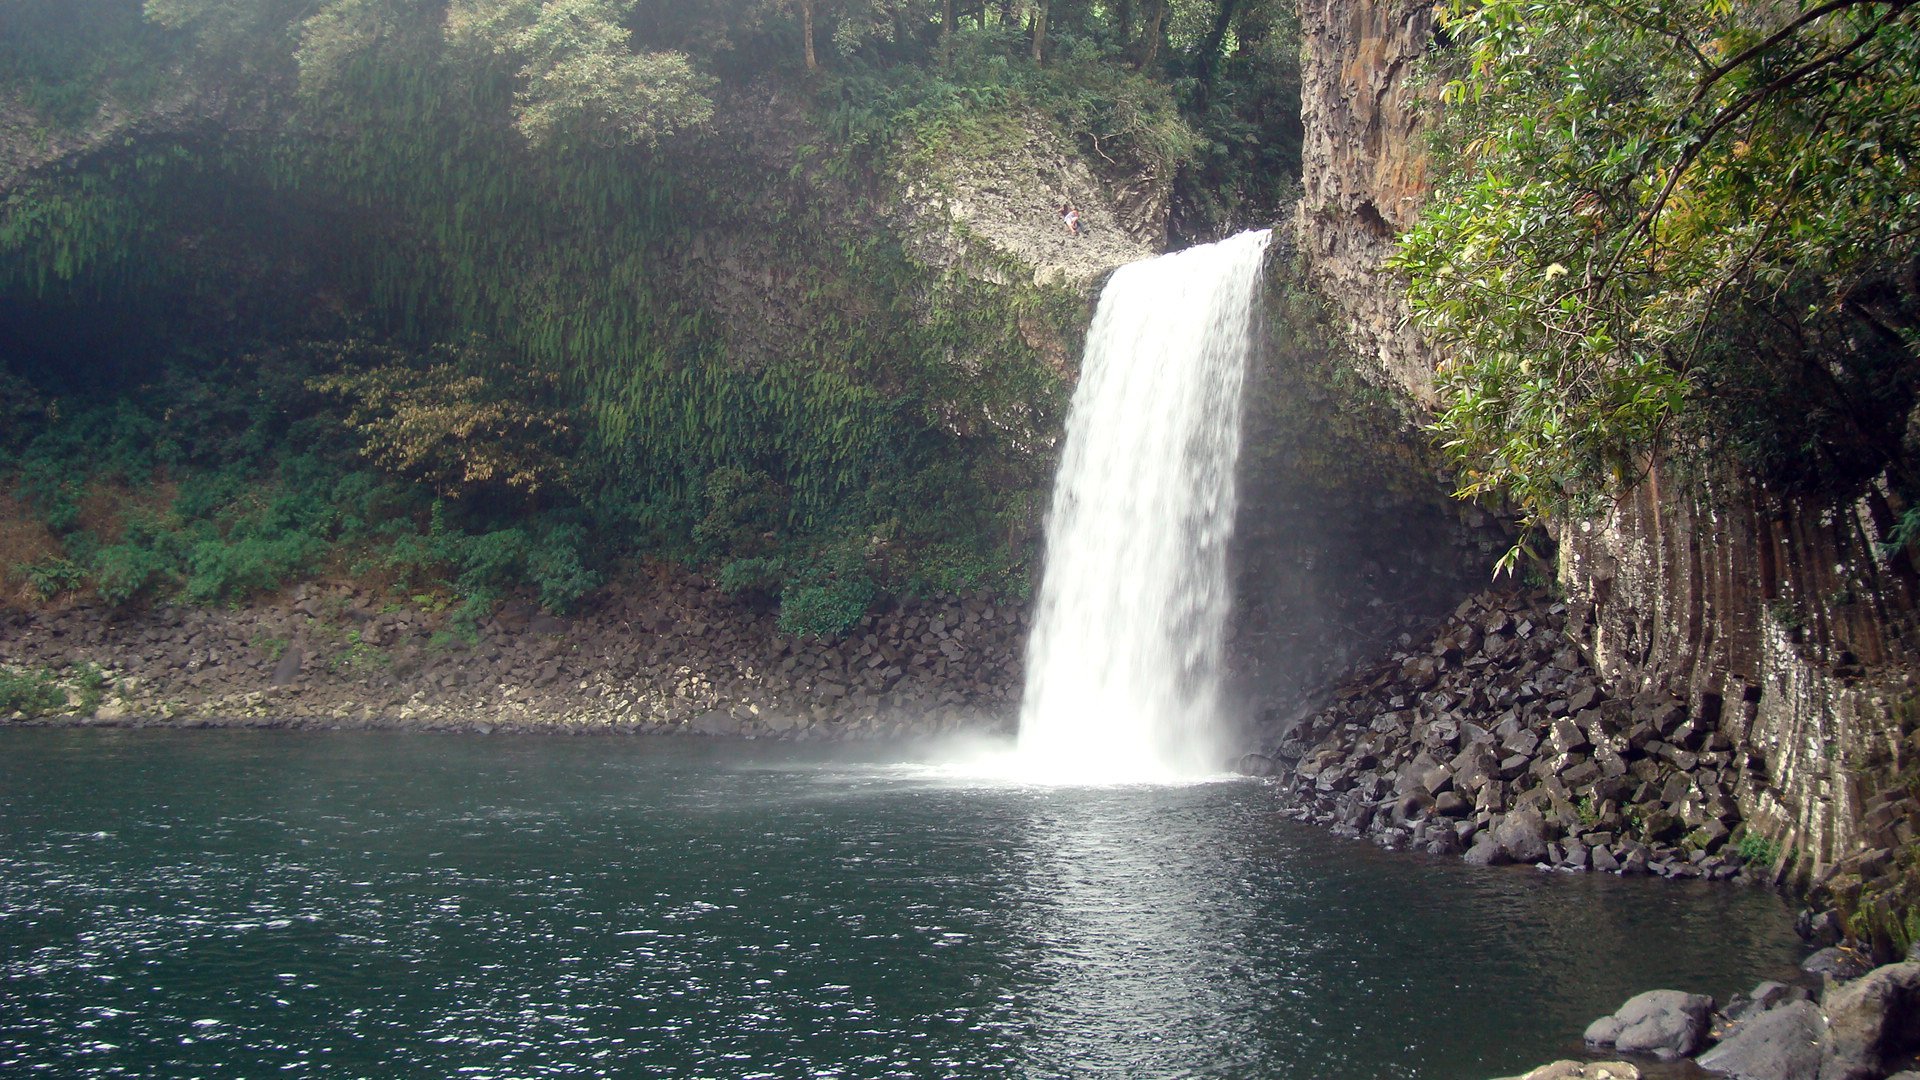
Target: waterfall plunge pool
x,y
362,904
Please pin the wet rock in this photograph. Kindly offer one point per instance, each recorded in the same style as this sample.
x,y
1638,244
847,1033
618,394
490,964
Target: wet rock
x,y
1836,963
1582,1070
1486,851
1777,1044
1521,834
1767,995
1665,1024
1254,765
714,723
1873,1023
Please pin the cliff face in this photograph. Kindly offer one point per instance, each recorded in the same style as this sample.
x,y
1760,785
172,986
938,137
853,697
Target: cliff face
x,y
1782,621
1776,620
1364,170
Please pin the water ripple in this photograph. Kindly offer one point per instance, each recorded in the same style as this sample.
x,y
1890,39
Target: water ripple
x,y
386,905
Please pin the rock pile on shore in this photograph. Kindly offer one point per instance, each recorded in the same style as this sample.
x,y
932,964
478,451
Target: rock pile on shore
x,y
665,652
1862,1025
1492,738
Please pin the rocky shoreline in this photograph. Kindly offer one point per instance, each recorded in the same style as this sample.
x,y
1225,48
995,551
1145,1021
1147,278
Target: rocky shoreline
x,y
1859,1025
661,653
1492,738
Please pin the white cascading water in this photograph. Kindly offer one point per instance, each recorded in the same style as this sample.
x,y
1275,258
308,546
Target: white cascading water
x,y
1124,662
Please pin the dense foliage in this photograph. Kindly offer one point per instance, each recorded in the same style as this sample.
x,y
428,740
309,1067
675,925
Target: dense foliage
x,y
481,295
1679,223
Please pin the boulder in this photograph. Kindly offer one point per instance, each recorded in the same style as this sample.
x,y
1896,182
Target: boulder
x,y
1473,767
1486,851
1872,1023
1778,1044
715,723
288,669
1568,738
1767,995
1582,1070
1837,963
1522,835
1255,765
1665,1024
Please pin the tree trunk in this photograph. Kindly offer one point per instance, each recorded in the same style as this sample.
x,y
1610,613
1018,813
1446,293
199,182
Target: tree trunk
x,y
806,34
948,22
1150,39
1123,12
1039,31
1209,59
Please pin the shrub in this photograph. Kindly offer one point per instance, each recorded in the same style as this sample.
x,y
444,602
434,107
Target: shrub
x,y
226,570
828,609
146,557
48,579
1758,850
557,570
31,693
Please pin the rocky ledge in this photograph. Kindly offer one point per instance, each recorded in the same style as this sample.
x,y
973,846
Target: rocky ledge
x,y
1491,737
663,652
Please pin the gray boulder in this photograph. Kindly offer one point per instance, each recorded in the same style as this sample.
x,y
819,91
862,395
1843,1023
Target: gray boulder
x,y
1836,963
1778,1044
715,723
1873,1023
287,671
1583,1070
1522,834
1665,1024
1485,851
1767,995
1255,765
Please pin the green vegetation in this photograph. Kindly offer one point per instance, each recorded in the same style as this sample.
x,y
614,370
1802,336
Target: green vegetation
x,y
33,692
1757,850
488,297
1674,225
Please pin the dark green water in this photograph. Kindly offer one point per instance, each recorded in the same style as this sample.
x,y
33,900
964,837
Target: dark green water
x,y
246,904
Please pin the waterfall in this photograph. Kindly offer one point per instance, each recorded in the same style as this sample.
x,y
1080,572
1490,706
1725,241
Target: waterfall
x,y
1123,667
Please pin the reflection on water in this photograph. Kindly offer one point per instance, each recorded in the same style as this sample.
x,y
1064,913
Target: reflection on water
x,y
182,904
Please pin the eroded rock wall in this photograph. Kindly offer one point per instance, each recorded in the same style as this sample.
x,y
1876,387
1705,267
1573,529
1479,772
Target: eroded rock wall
x,y
1364,170
1781,621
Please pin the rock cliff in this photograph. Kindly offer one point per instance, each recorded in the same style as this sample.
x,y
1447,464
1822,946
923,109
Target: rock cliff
x,y
1364,170
1780,622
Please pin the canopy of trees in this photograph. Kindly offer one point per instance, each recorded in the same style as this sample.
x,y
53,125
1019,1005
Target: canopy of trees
x,y
392,277
1679,223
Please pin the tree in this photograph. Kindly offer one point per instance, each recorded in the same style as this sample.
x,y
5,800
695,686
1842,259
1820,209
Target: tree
x,y
579,77
468,422
806,35
1629,186
343,30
